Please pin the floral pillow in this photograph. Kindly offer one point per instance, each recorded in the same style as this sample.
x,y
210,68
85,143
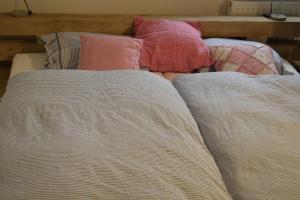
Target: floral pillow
x,y
246,59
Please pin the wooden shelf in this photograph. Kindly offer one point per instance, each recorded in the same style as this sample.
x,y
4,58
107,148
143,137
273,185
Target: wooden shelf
x,y
19,34
212,26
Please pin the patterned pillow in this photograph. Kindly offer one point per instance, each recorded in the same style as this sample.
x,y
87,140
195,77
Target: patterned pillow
x,y
232,42
63,49
246,59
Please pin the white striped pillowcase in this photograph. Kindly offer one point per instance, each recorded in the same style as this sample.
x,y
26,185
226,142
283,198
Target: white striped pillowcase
x,y
63,49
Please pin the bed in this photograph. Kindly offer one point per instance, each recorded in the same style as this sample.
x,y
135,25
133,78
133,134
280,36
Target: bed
x,y
249,124
79,134
137,134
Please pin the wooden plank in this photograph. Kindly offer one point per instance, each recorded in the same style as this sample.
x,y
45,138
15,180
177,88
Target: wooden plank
x,y
4,75
296,53
8,48
263,40
289,50
250,29
221,26
39,24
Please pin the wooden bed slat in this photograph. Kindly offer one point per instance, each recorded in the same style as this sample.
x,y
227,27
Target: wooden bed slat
x,y
8,48
221,26
39,24
289,50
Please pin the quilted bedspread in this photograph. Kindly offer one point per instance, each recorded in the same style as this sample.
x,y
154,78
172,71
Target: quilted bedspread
x,y
251,126
101,135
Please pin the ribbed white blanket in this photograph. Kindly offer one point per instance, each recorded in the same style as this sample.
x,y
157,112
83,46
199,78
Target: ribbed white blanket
x,y
101,135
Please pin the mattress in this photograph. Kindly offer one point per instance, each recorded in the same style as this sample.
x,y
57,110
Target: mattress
x,y
28,62
36,61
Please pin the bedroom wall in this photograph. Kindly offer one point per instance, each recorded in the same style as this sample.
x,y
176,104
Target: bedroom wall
x,y
157,7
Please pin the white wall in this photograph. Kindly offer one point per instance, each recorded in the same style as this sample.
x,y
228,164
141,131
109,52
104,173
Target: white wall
x,y
157,7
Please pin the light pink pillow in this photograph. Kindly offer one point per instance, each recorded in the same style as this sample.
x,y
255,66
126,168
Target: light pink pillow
x,y
107,52
171,46
248,59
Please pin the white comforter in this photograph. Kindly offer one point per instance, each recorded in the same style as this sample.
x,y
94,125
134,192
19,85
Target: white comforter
x,y
101,135
251,126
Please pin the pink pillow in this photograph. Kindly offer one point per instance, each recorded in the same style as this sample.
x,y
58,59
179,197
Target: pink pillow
x,y
171,46
247,59
107,52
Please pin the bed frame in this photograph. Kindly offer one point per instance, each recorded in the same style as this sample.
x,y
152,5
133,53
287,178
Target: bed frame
x,y
19,35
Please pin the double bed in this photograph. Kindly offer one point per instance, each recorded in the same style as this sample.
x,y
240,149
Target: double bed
x,y
136,134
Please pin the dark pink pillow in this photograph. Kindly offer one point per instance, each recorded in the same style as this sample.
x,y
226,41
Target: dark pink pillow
x,y
107,52
171,46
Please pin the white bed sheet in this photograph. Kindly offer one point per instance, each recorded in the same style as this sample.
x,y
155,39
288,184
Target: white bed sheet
x,y
36,61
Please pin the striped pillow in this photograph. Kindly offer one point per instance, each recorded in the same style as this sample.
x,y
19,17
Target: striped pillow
x,y
63,49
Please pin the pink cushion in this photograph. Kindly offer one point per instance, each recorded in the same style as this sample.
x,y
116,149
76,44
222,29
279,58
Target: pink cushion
x,y
107,52
249,59
171,46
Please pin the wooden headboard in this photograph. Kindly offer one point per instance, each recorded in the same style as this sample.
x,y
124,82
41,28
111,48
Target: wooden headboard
x,y
20,34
